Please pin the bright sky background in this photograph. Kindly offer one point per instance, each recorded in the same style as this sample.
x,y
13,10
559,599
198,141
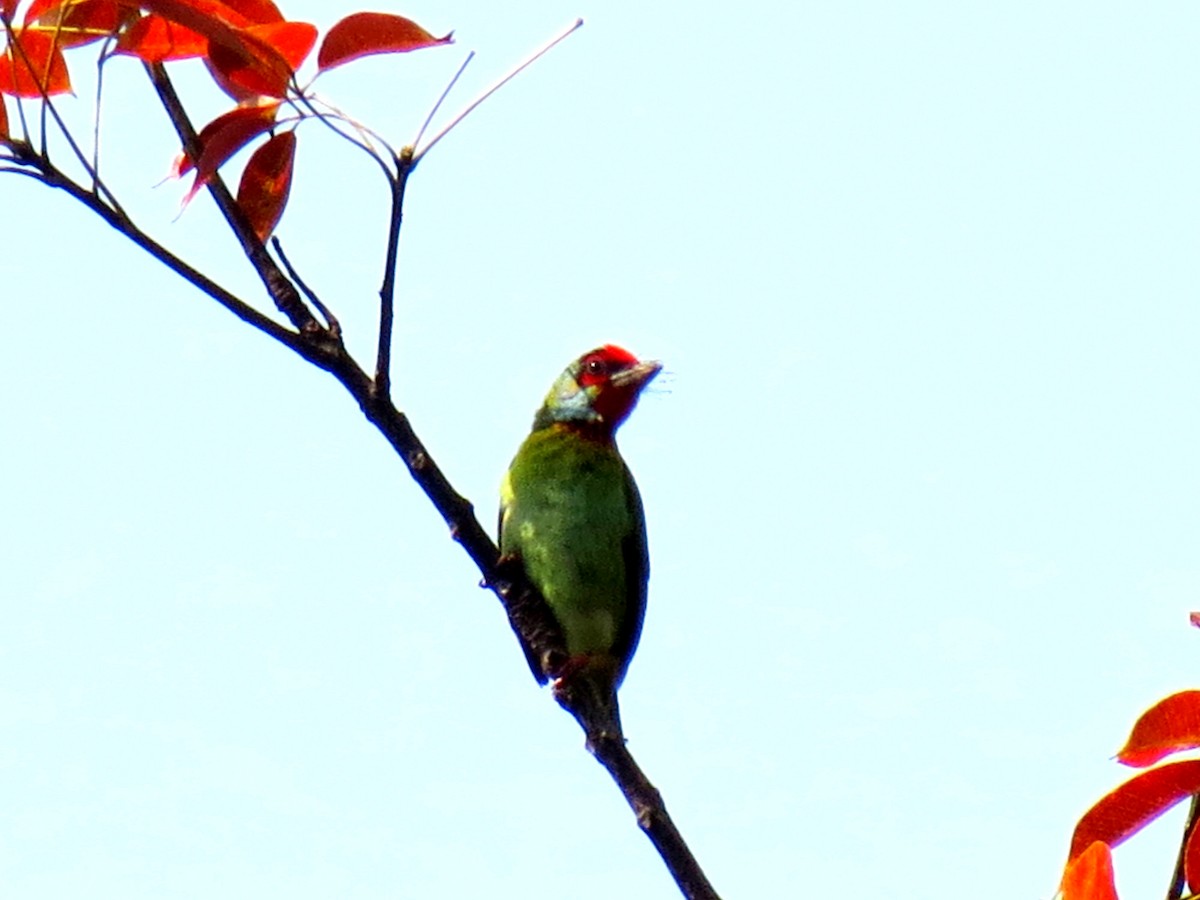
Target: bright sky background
x,y
922,483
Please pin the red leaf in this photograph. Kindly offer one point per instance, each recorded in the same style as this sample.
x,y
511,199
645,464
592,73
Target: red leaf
x,y
1090,875
4,133
204,16
210,18
1168,726
293,40
263,62
1194,618
224,136
75,22
363,34
259,12
39,8
7,9
266,182
40,66
1123,812
243,65
155,39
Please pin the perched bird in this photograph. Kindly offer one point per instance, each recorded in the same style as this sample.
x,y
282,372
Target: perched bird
x,y
571,515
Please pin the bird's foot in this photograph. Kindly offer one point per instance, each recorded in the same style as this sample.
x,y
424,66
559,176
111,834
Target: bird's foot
x,y
508,570
567,668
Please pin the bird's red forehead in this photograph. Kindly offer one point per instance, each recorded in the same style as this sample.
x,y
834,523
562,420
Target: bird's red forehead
x,y
615,354
599,365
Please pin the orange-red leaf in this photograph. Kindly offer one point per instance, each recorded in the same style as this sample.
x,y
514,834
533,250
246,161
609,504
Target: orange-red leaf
x,y
75,22
7,9
1133,805
36,65
38,8
1089,876
363,34
259,12
203,16
153,39
216,21
244,64
264,60
1194,618
293,40
266,182
4,133
222,137
1168,726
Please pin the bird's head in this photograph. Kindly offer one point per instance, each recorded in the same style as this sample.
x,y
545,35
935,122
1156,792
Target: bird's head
x,y
598,390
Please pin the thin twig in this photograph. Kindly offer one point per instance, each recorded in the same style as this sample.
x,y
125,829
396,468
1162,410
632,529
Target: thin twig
x,y
28,173
1179,877
363,143
10,39
441,98
96,117
419,152
331,322
387,291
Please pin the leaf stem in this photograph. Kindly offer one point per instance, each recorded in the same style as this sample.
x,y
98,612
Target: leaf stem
x,y
442,98
365,134
419,152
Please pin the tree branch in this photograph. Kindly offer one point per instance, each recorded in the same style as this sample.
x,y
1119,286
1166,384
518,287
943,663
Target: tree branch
x,y
600,718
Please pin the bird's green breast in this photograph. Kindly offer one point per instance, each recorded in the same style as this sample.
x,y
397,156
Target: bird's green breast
x,y
570,511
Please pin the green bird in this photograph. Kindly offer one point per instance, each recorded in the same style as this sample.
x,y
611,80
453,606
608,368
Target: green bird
x,y
571,515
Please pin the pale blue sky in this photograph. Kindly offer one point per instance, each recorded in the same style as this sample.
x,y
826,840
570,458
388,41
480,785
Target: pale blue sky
x,y
921,484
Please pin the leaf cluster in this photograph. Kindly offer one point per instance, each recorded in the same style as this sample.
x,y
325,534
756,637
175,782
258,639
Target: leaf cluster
x,y
253,53
1170,727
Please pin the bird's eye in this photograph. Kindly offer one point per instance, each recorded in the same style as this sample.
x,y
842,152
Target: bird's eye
x,y
596,367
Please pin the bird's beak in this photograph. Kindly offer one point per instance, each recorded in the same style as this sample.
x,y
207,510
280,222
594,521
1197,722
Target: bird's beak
x,y
636,377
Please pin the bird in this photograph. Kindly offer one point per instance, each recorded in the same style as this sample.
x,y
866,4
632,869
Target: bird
x,y
572,517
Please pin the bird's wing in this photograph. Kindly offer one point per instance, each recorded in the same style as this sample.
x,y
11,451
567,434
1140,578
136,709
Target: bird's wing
x,y
510,556
637,572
